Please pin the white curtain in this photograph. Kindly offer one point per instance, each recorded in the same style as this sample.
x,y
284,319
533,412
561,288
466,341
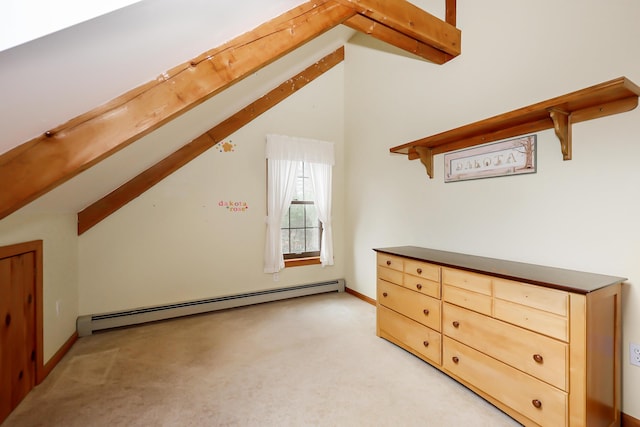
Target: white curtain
x,y
283,156
321,182
281,178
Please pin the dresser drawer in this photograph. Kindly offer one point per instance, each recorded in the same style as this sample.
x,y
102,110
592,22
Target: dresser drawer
x,y
536,400
421,308
535,354
545,299
466,280
393,276
422,269
424,286
535,320
471,300
391,261
419,338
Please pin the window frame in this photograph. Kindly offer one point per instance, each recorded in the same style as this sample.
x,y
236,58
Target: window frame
x,y
292,259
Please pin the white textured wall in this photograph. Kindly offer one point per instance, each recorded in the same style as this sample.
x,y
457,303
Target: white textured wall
x,y
175,243
60,257
580,214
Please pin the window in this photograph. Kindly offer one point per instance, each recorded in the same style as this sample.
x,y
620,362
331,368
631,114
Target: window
x,y
298,202
301,229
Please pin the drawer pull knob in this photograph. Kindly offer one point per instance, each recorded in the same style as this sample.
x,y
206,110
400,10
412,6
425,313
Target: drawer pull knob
x,y
388,262
419,286
384,294
455,359
538,358
536,403
419,271
425,343
456,324
426,312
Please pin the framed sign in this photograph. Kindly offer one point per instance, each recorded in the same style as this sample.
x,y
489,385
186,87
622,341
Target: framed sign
x,y
511,157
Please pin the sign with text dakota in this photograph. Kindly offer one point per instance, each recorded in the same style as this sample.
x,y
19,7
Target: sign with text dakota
x,y
512,157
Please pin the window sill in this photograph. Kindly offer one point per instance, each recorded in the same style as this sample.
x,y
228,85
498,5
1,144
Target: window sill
x,y
299,262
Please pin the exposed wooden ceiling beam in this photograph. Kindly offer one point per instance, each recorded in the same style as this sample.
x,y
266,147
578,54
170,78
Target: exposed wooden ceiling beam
x,y
104,207
412,21
389,35
39,165
450,12
45,162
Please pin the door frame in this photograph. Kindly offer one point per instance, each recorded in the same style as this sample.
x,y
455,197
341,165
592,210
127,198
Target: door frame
x,y
19,249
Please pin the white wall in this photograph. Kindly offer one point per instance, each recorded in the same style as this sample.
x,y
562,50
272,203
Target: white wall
x,y
176,243
31,103
60,257
580,214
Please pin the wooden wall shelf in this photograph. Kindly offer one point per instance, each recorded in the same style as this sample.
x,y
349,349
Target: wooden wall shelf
x,y
612,97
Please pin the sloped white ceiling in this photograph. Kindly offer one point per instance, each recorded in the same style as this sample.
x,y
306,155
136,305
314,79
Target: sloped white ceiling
x,y
24,20
50,80
109,174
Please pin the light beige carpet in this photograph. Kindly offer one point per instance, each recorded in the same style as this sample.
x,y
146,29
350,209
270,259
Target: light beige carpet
x,y
312,361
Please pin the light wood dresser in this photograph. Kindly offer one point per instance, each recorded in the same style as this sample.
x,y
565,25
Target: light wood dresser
x,y
540,343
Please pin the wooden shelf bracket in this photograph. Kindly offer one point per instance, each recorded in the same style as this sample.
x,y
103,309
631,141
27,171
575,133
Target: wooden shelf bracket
x,y
562,127
426,157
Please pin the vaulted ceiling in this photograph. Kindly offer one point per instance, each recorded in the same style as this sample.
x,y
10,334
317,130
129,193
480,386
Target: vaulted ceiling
x,y
59,153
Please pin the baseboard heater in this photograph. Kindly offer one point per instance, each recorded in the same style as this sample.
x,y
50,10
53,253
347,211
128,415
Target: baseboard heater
x,y
87,324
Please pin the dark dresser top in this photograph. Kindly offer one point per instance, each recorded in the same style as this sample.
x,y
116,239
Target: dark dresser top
x,y
550,277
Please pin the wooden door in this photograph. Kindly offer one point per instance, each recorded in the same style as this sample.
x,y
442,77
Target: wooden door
x,y
17,329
